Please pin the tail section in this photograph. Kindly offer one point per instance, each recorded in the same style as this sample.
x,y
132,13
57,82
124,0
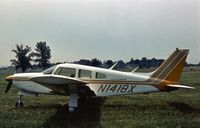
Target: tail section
x,y
167,76
171,69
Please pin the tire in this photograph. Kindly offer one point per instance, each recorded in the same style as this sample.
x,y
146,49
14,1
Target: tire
x,y
19,105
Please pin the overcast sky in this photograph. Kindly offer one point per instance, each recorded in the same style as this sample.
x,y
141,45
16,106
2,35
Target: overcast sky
x,y
106,29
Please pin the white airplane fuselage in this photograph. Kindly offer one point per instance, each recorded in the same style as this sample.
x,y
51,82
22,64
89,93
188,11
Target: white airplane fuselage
x,y
27,87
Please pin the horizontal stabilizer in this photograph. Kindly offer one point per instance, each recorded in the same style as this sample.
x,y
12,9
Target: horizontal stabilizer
x,y
181,86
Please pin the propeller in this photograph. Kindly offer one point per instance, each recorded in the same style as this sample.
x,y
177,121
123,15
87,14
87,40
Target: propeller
x,y
10,80
8,86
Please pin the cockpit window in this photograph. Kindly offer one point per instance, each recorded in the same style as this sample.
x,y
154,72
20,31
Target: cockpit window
x,y
70,72
49,70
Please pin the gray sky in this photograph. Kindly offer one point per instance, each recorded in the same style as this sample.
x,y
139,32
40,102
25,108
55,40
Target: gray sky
x,y
106,29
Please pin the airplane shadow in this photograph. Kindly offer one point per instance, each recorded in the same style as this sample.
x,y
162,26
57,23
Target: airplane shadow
x,y
86,115
183,107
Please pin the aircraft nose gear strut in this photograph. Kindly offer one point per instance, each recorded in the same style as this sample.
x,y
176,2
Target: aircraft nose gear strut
x,y
73,102
19,103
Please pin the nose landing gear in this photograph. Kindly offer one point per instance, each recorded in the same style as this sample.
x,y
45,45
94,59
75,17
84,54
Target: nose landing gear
x,y
19,103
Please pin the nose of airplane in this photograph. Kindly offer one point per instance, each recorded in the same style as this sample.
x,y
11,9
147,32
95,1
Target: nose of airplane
x,y
9,78
10,81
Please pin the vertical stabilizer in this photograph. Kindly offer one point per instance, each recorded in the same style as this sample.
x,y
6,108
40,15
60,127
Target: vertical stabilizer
x,y
171,69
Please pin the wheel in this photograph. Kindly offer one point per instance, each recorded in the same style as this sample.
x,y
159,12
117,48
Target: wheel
x,y
71,109
19,105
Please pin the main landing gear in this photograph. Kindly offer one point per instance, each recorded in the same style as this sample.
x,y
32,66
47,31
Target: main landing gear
x,y
19,103
73,102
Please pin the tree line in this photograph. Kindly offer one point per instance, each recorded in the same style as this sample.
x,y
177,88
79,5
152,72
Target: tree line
x,y
24,56
141,63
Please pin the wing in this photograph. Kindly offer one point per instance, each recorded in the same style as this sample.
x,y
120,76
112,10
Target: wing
x,y
59,84
56,80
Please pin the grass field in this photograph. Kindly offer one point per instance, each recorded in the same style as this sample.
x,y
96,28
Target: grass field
x,y
180,109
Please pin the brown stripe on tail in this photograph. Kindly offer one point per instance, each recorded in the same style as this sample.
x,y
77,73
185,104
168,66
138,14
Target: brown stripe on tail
x,y
171,69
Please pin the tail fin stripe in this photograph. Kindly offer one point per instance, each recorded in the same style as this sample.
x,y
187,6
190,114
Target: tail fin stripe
x,y
167,67
175,66
171,69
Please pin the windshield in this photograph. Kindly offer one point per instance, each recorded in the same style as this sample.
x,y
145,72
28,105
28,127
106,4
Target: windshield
x,y
49,70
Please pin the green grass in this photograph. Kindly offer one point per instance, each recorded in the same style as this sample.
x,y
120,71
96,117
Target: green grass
x,y
180,109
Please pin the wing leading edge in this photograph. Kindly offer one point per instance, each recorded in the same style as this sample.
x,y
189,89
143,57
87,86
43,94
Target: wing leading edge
x,y
56,80
59,84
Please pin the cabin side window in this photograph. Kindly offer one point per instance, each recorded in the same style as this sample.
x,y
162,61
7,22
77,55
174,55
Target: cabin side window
x,y
85,74
69,72
100,75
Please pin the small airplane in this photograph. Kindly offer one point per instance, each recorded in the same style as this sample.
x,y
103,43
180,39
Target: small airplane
x,y
76,80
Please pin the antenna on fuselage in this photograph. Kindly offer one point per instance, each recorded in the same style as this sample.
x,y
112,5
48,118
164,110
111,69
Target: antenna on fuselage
x,y
135,69
111,68
68,62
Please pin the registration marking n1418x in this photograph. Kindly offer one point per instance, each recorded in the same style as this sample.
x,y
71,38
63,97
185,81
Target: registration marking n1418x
x,y
115,88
